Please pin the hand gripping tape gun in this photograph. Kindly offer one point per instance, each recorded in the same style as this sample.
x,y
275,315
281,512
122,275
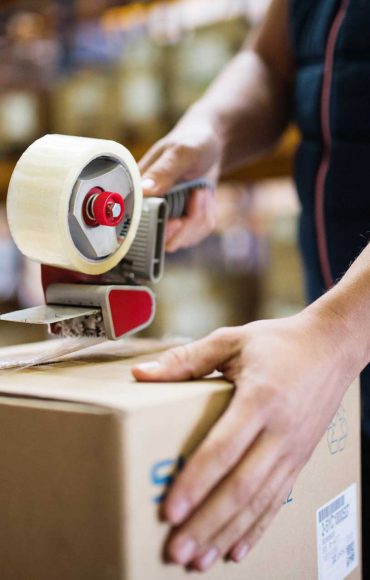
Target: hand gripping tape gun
x,y
75,205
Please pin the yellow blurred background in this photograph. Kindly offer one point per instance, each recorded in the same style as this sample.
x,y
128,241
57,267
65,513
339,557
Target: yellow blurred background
x,y
127,71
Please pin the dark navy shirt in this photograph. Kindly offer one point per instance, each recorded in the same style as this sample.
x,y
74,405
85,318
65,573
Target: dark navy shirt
x,y
331,44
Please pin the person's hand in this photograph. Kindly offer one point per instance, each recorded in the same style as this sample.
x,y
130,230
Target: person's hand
x,y
290,377
190,151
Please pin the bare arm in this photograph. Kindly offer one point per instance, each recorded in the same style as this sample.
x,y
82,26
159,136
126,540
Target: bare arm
x,y
240,116
249,104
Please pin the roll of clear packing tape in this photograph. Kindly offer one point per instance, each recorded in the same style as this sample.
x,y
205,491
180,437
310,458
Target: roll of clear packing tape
x,y
39,200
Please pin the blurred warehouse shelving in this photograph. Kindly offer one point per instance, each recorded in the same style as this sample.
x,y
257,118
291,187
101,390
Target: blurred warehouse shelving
x,y
123,72
127,71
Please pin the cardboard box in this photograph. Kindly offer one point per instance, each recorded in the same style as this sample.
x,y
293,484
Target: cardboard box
x,y
85,457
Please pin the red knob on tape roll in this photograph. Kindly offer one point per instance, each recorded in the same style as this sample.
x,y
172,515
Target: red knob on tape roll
x,y
103,208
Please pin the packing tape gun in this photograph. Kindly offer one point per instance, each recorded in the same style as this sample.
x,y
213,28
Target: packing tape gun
x,y
75,205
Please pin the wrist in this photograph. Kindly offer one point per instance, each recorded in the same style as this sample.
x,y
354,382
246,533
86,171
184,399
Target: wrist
x,y
339,329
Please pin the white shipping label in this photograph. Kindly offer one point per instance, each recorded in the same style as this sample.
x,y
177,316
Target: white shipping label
x,y
337,536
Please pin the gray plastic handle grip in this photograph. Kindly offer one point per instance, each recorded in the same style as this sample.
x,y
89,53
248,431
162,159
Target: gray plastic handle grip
x,y
178,195
145,259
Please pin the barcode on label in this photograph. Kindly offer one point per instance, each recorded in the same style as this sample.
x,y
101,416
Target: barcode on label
x,y
350,550
337,536
328,510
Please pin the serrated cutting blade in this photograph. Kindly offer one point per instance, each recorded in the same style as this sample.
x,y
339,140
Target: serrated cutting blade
x,y
48,314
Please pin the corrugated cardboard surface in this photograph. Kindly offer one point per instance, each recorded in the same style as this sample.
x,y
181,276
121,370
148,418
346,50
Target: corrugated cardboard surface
x,y
82,466
60,492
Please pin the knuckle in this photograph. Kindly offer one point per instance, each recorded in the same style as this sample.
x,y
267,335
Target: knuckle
x,y
161,143
219,335
285,410
179,149
166,164
168,160
178,356
260,502
277,403
240,491
266,396
223,337
223,452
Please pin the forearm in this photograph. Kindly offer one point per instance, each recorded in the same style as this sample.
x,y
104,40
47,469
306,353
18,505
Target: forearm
x,y
249,104
346,311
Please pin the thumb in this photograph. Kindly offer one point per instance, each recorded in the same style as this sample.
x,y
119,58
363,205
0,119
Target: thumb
x,y
190,361
167,170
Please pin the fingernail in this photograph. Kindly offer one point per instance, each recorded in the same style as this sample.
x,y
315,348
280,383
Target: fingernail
x,y
184,550
148,183
149,367
207,560
239,552
178,511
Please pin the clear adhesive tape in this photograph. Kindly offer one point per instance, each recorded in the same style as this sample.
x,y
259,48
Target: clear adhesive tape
x,y
39,194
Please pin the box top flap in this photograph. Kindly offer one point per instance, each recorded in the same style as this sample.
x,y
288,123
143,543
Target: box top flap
x,y
99,375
